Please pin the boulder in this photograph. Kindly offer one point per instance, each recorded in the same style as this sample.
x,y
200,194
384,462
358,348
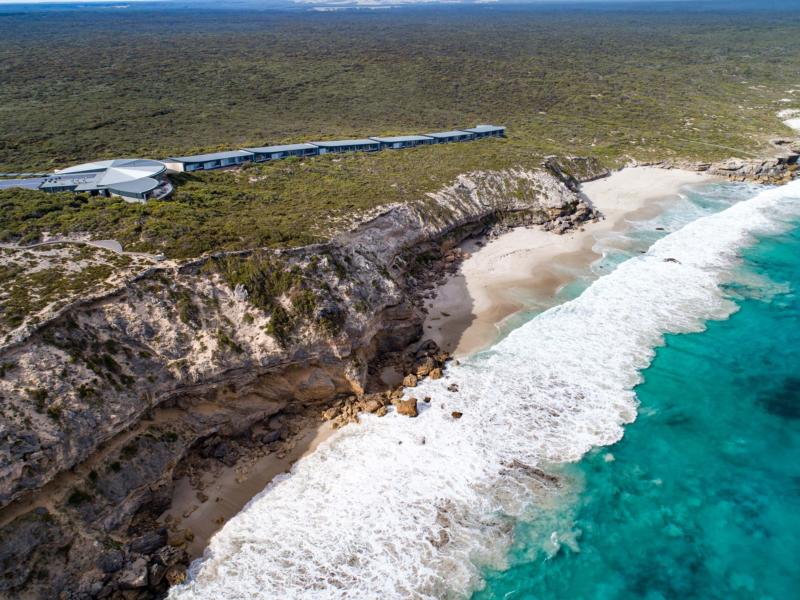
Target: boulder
x,y
134,576
407,408
425,366
157,572
274,436
435,373
169,555
149,542
410,380
456,414
372,406
427,348
175,575
111,561
176,538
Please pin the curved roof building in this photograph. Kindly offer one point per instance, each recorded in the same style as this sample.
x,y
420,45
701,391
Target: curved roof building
x,y
134,179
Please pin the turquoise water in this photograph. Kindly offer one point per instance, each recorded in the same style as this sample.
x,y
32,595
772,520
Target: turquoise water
x,y
695,202
696,499
701,498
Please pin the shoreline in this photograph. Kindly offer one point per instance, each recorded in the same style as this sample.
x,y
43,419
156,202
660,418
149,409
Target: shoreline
x,y
204,500
464,316
525,268
498,279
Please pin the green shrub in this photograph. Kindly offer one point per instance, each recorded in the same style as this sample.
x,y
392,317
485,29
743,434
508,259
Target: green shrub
x,y
303,303
280,325
78,497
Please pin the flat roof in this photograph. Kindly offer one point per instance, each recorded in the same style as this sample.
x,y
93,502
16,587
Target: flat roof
x,y
361,142
71,179
283,148
132,174
402,138
143,165
25,183
446,134
485,128
138,186
211,156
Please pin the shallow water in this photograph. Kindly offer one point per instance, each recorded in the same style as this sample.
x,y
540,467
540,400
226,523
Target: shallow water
x,y
691,204
429,507
701,498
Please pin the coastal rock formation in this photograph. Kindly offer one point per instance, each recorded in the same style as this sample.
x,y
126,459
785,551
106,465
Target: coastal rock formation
x,y
773,170
104,403
407,408
780,168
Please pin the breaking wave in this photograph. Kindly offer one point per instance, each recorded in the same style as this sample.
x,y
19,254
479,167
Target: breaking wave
x,y
415,508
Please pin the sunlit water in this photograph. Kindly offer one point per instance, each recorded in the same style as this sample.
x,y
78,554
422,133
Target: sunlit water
x,y
435,507
701,499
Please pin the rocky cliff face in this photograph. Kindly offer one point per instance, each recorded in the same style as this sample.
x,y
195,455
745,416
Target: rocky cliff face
x,y
777,169
102,403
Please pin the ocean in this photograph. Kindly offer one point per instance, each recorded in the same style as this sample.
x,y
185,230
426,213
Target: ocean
x,y
637,440
701,498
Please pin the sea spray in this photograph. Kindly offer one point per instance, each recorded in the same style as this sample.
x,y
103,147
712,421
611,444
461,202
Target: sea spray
x,y
701,498
413,508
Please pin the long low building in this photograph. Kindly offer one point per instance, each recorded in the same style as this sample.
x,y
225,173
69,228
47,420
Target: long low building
x,y
446,137
138,179
133,179
206,162
404,141
360,145
484,131
265,153
235,158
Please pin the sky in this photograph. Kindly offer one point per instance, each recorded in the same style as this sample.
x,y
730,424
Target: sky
x,y
328,2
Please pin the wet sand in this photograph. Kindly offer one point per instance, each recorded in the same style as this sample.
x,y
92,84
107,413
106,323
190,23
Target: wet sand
x,y
508,274
524,268
228,490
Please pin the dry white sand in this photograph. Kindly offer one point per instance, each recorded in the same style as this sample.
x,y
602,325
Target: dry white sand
x,y
465,316
525,267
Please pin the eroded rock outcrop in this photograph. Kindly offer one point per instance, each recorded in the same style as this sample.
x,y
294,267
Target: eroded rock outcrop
x,y
780,168
103,404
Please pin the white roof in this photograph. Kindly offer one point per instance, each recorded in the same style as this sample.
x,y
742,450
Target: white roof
x,y
140,164
360,142
282,148
402,138
446,134
105,173
485,128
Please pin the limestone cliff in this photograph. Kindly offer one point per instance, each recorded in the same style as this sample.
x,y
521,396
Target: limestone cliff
x,y
102,402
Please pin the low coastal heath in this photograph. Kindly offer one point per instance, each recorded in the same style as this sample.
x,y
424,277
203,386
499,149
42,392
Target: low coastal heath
x,y
417,508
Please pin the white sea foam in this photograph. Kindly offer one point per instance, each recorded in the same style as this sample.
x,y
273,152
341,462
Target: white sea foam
x,y
411,508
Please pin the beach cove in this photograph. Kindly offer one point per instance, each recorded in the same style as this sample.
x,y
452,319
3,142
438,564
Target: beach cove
x,y
527,266
520,269
421,432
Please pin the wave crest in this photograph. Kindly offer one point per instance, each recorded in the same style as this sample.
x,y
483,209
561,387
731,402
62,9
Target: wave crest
x,y
414,508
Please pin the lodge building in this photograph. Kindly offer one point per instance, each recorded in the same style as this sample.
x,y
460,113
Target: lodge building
x,y
139,179
234,158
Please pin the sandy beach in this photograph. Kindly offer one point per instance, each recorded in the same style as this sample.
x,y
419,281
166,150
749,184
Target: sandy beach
x,y
226,492
501,277
524,268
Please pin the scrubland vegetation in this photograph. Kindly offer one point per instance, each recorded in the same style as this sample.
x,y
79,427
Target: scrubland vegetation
x,y
616,84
